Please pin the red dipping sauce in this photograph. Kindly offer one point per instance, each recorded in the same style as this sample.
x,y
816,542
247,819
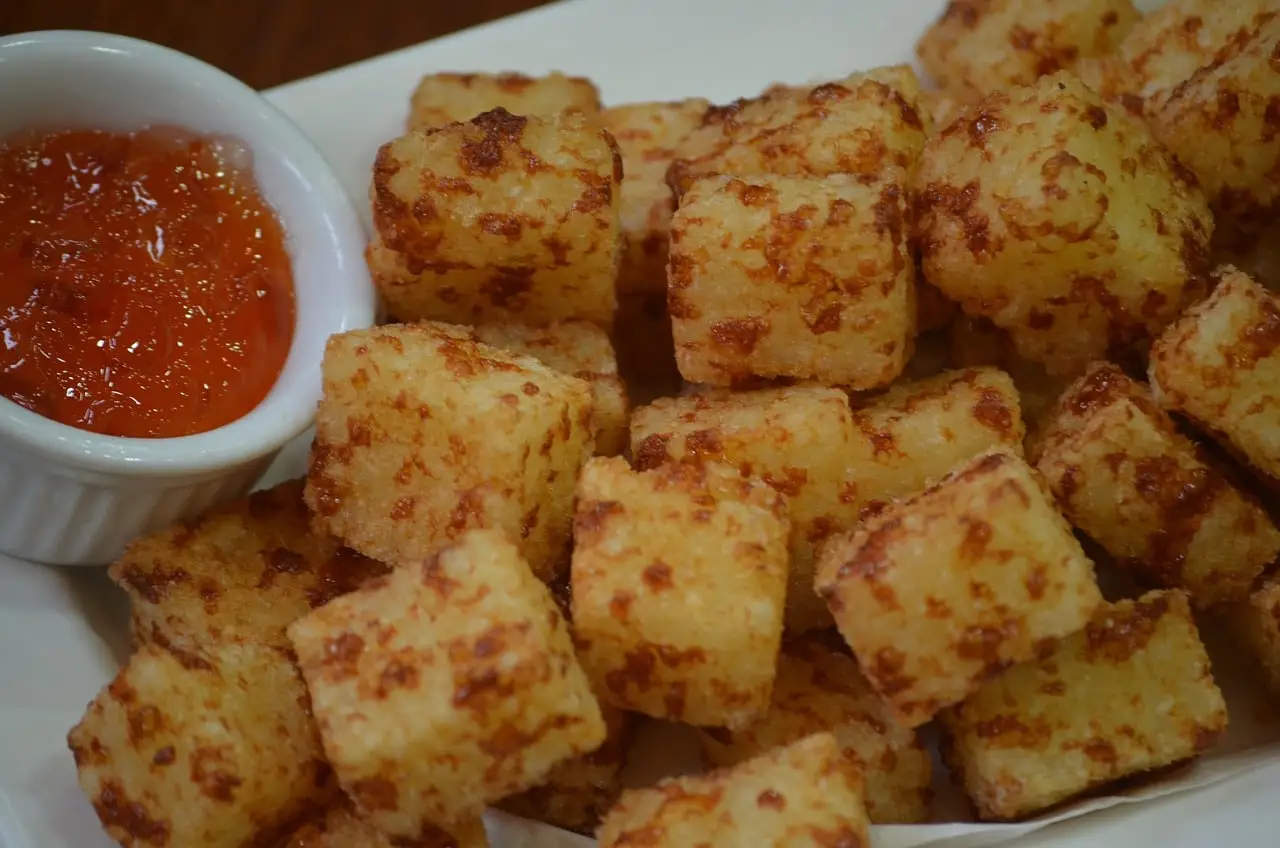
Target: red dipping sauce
x,y
145,288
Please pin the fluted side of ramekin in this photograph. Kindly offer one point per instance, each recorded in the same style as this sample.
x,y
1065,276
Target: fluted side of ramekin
x,y
70,519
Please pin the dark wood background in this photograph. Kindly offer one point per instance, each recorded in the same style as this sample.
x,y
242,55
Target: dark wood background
x,y
264,42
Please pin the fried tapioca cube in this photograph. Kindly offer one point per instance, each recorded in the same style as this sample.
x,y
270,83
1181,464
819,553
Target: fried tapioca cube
x,y
578,792
580,349
862,124
820,689
803,277
978,46
446,98
917,432
1256,624
424,433
1132,692
1220,366
805,795
647,135
445,686
340,826
941,592
216,749
241,573
1168,46
798,440
1089,246
1122,473
1224,124
502,218
679,578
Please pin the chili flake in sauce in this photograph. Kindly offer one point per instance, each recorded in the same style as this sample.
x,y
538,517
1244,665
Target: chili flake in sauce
x,y
145,286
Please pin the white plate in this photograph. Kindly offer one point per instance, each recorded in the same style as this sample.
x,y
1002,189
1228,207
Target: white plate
x,y
63,633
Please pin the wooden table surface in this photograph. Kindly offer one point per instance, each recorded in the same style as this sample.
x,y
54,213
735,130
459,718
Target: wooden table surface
x,y
264,42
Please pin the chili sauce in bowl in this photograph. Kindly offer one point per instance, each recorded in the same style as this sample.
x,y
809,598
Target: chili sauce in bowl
x,y
145,286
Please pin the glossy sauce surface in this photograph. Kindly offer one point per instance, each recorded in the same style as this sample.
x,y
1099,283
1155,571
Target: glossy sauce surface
x,y
145,285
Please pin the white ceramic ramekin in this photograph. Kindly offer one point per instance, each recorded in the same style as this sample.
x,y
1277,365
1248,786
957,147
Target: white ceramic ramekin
x,y
72,497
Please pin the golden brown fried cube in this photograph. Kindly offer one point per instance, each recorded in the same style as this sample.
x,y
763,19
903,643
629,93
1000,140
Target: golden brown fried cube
x,y
445,98
578,792
863,124
804,277
503,218
1131,693
679,578
647,135
423,433
1220,366
798,440
241,573
646,349
1256,624
580,349
1063,221
819,689
1224,124
213,750
1122,473
341,827
939,593
445,686
806,795
1168,46
978,46
917,432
